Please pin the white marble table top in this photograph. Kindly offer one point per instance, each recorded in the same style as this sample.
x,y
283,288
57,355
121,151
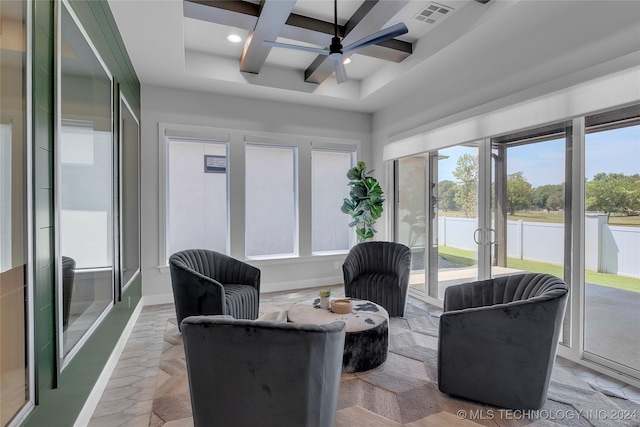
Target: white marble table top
x,y
365,314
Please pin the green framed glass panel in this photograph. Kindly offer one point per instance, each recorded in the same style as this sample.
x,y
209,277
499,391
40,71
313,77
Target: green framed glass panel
x,y
14,195
84,178
129,193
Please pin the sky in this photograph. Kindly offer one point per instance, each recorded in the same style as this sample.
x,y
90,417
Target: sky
x,y
543,163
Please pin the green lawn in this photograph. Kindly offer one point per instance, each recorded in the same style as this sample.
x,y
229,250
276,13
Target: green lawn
x,y
554,217
466,258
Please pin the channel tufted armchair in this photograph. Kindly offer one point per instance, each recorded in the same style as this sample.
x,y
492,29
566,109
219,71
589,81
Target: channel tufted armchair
x,y
246,373
498,339
379,272
208,282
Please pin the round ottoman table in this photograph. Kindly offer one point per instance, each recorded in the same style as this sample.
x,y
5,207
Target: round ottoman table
x,y
367,331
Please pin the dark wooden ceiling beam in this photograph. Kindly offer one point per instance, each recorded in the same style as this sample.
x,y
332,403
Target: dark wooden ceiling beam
x,y
239,14
244,15
369,18
272,18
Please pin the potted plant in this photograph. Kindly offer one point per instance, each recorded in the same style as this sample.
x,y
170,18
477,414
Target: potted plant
x,y
325,299
366,203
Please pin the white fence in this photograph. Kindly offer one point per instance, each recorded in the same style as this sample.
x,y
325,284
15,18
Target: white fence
x,y
608,249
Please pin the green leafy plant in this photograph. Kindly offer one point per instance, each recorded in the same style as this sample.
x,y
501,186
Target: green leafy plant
x,y
326,293
366,203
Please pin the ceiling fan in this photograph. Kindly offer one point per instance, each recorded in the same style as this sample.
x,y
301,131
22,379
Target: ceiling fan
x,y
336,51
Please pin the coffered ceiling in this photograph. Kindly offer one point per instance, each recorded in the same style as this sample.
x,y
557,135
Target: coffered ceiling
x,y
449,43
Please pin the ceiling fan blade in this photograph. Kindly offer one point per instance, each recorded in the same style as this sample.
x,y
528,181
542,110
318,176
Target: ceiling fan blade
x,y
316,50
341,72
377,37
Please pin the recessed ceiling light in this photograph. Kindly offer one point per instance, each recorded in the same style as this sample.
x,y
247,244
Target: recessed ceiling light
x,y
234,38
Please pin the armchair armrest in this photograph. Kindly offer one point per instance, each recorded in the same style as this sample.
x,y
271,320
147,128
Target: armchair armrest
x,y
194,292
350,269
402,266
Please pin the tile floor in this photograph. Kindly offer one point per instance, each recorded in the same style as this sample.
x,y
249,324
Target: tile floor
x,y
128,396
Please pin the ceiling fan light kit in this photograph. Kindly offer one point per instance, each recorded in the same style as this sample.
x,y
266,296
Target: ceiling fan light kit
x,y
336,51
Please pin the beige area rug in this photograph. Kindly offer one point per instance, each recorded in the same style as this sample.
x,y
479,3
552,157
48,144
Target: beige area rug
x,y
404,390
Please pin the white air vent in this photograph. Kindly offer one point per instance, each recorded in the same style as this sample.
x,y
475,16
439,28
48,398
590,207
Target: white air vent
x,y
434,12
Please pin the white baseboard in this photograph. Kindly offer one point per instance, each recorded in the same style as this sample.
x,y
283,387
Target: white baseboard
x,y
264,288
157,299
96,393
300,284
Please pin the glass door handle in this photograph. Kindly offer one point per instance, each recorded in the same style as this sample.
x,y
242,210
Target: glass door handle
x,y
492,238
475,236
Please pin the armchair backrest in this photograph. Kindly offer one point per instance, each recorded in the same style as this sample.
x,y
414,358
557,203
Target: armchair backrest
x,y
249,373
533,287
379,257
217,266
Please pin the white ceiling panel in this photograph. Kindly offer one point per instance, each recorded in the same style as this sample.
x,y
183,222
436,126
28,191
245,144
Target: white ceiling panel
x,y
520,42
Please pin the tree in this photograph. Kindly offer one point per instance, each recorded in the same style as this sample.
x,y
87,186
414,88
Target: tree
x,y
466,172
550,196
613,192
519,193
447,195
555,201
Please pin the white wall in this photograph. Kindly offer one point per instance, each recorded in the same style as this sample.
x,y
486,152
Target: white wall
x,y
164,105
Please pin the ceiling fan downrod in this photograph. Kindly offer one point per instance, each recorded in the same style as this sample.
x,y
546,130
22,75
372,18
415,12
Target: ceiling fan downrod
x,y
336,45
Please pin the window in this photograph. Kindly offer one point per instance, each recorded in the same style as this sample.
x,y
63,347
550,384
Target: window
x,y
85,187
197,205
129,193
329,186
86,212
247,194
271,213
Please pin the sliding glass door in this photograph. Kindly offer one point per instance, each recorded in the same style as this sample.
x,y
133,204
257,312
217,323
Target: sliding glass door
x,y
438,216
562,199
612,242
411,225
529,212
455,218
485,209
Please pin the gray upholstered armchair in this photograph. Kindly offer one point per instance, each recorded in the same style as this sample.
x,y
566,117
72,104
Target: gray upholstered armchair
x,y
208,282
498,339
246,373
379,272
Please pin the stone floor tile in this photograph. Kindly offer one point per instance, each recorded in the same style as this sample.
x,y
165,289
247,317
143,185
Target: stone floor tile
x,y
113,420
140,408
185,422
400,366
366,395
356,416
610,383
113,407
631,392
442,419
117,383
127,401
120,393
